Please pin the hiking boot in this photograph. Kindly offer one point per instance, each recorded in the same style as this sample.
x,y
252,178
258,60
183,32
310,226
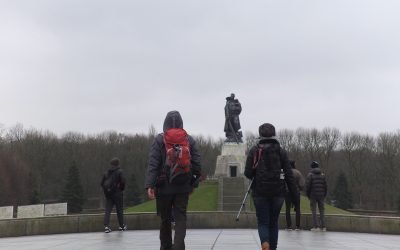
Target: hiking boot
x,y
315,229
323,229
288,229
123,228
265,246
107,230
297,229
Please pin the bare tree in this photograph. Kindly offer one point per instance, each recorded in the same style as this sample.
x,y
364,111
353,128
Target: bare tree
x,y
2,131
310,141
251,140
290,142
358,150
152,132
388,147
15,133
330,138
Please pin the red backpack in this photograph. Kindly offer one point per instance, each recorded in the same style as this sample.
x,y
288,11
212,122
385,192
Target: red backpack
x,y
178,160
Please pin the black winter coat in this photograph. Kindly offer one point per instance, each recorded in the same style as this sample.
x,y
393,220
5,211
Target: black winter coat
x,y
157,157
316,187
120,178
250,173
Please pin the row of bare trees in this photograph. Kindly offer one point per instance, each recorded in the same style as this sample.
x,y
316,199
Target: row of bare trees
x,y
34,164
370,164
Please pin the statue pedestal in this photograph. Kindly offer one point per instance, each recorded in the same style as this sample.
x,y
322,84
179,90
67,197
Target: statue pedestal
x,y
230,173
232,160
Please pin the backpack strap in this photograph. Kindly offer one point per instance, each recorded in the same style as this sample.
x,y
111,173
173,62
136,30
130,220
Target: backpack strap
x,y
257,155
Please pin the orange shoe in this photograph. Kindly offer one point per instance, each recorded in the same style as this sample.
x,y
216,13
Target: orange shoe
x,y
265,246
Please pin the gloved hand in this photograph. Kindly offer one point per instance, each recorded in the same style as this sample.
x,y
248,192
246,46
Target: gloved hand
x,y
195,180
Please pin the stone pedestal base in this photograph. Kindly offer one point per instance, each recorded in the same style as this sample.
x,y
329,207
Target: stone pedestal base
x,y
232,160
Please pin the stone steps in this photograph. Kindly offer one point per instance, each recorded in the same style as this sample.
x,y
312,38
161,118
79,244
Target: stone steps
x,y
233,191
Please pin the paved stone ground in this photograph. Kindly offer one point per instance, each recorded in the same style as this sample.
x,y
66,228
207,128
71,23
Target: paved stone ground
x,y
197,239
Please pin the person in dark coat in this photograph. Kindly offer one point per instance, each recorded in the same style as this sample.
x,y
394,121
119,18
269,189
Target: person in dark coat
x,y
316,190
170,195
268,196
113,183
299,180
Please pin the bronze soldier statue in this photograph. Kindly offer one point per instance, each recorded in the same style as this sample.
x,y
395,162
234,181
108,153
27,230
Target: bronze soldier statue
x,y
232,123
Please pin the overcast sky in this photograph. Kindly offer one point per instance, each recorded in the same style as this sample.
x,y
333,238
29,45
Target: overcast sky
x,y
90,66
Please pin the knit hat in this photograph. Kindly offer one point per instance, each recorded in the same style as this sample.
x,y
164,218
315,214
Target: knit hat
x,y
114,161
314,164
266,130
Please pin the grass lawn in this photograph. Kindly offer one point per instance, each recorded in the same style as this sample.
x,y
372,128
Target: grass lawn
x,y
205,198
305,208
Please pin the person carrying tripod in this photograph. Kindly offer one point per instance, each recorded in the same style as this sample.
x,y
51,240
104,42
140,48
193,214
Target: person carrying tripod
x,y
267,164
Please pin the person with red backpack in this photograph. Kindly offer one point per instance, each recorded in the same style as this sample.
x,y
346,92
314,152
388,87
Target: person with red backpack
x,y
267,165
173,171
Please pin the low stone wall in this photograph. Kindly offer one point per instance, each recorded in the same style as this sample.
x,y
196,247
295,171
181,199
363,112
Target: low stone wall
x,y
55,209
30,211
6,212
199,220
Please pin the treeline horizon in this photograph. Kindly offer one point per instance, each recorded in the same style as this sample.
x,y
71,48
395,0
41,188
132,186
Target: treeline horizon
x,y
34,164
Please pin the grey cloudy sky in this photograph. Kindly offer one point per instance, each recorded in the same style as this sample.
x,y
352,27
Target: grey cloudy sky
x,y
90,66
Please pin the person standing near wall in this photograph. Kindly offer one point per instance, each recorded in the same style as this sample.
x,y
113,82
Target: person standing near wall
x,y
299,180
316,190
113,184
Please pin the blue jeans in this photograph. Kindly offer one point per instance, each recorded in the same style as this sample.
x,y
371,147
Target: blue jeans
x,y
267,211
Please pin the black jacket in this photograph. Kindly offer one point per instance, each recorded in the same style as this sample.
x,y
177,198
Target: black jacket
x,y
250,173
157,158
316,187
120,178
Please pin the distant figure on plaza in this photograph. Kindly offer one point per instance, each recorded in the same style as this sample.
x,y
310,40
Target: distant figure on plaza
x,y
233,108
173,171
267,164
113,184
316,190
299,180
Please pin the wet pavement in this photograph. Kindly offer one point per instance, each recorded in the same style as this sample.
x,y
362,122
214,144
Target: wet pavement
x,y
203,239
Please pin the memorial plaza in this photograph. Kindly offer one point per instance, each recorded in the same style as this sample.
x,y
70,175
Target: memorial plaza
x,y
203,239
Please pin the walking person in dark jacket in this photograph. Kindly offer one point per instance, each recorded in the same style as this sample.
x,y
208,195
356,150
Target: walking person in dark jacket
x,y
316,189
299,180
268,166
171,192
113,184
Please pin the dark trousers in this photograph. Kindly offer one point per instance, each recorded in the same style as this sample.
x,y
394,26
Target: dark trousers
x,y
117,200
289,203
267,212
313,204
165,204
